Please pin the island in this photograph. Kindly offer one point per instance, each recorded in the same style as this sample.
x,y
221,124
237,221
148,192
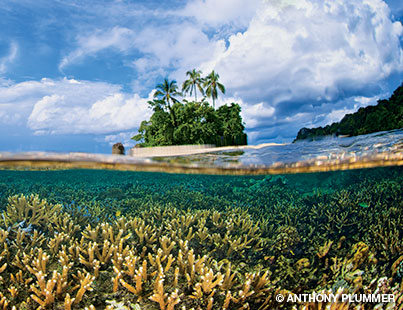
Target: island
x,y
184,122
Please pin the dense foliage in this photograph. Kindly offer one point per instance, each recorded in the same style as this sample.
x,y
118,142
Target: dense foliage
x,y
386,115
191,122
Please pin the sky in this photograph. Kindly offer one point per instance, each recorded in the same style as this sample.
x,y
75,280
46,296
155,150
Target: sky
x,y
75,76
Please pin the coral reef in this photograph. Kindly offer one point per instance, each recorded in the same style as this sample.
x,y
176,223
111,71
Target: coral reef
x,y
197,243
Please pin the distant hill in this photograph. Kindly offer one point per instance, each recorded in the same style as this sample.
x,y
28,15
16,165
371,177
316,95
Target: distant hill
x,y
386,115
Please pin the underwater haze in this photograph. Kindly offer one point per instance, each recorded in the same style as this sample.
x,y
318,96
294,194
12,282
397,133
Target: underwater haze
x,y
115,239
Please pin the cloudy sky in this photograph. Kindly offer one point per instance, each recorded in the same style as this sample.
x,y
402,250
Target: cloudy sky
x,y
77,75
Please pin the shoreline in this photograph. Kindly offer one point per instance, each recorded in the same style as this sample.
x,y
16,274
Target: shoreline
x,y
183,150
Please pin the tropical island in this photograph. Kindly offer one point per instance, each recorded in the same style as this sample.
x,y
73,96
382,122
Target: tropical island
x,y
182,122
386,115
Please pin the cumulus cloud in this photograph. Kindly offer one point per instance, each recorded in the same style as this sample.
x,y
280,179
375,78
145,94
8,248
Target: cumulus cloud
x,y
253,113
22,96
72,107
295,56
313,48
179,49
117,112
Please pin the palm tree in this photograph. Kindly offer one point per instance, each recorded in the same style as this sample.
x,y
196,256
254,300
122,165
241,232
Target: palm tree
x,y
166,92
194,81
211,83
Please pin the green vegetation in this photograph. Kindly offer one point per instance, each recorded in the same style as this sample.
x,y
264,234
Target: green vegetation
x,y
191,122
386,115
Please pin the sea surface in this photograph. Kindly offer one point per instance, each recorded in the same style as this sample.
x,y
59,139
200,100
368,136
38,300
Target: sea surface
x,y
237,229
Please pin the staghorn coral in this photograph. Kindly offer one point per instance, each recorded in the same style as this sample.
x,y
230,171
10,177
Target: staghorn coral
x,y
31,210
205,248
287,238
162,269
324,249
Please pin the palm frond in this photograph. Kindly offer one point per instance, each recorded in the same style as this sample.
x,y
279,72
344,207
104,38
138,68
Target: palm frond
x,y
221,87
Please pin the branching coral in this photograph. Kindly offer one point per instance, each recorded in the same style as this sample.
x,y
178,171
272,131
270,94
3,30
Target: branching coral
x,y
205,255
32,210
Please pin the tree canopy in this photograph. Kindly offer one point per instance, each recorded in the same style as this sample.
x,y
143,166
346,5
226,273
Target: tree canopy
x,y
176,122
386,115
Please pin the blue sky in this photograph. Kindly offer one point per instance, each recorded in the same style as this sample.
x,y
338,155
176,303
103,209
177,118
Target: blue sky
x,y
77,75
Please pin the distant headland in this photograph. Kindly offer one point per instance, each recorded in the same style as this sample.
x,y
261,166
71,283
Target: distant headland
x,y
386,115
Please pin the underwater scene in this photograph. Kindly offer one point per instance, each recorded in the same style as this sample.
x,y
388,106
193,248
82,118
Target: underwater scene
x,y
108,239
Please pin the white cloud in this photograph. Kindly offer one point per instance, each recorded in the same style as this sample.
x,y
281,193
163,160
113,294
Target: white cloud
x,y
9,58
117,112
159,50
123,137
22,96
118,38
71,107
314,47
252,114
211,13
8,118
179,48
295,56
365,101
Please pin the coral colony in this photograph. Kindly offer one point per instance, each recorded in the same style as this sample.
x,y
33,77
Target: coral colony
x,y
199,242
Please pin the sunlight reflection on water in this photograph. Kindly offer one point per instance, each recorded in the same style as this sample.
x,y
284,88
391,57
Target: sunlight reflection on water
x,y
327,154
